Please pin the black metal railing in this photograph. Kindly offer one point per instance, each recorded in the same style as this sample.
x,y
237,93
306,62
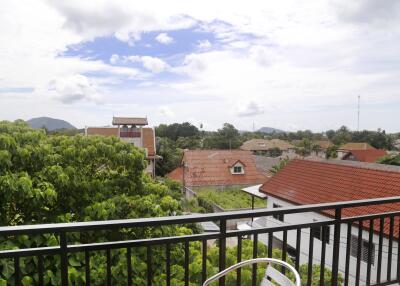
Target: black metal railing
x,y
298,236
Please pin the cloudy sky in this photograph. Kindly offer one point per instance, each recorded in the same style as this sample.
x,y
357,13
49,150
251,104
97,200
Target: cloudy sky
x,y
285,64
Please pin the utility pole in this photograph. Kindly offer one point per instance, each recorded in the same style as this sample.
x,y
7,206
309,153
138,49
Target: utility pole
x,y
358,114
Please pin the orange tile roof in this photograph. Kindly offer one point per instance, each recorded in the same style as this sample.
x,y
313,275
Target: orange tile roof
x,y
149,141
355,146
176,175
370,155
102,131
212,167
264,145
304,182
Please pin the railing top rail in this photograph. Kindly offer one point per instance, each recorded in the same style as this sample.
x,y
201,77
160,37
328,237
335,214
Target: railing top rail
x,y
183,219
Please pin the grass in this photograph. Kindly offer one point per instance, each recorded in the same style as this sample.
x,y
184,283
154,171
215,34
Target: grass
x,y
229,198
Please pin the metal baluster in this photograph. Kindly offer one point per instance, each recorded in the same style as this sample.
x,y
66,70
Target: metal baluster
x,y
222,250
239,259
348,249
389,264
40,270
17,271
254,266
323,251
310,258
270,238
336,247
298,244
284,250
186,263
378,275
370,242
64,259
359,247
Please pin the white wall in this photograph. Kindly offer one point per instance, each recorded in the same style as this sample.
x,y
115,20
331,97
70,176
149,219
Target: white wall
x,y
310,217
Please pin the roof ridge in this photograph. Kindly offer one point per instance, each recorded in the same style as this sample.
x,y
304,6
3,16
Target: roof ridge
x,y
357,165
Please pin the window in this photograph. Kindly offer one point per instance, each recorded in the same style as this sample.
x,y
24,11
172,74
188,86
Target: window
x,y
237,169
278,216
316,232
364,249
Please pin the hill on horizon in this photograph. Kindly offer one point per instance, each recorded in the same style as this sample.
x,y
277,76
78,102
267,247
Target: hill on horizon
x,y
270,130
51,124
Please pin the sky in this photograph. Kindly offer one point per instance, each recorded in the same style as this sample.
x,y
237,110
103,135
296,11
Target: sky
x,y
285,64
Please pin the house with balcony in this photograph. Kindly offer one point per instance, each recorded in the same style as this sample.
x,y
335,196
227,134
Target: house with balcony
x,y
272,148
368,248
133,131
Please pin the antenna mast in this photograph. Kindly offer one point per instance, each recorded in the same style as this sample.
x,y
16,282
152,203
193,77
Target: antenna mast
x,y
358,114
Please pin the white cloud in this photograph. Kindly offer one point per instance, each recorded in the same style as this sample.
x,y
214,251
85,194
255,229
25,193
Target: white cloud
x,y
153,64
204,45
75,88
163,38
250,108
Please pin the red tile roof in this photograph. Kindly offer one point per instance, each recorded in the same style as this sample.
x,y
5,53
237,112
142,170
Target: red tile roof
x,y
304,182
212,167
369,155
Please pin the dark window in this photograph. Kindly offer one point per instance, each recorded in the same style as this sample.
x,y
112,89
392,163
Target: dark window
x,y
237,169
278,216
364,249
316,232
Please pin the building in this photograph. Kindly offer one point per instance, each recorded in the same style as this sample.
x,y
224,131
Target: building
x,y
131,130
273,148
369,155
321,147
304,182
346,148
223,168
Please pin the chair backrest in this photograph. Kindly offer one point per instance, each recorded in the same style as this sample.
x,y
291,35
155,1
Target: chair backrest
x,y
270,272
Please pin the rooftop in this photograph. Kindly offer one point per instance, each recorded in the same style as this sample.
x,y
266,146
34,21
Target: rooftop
x,y
130,121
212,167
264,145
304,182
369,155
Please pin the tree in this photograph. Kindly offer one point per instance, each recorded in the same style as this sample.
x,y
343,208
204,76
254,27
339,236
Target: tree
x,y
171,156
227,137
176,130
390,160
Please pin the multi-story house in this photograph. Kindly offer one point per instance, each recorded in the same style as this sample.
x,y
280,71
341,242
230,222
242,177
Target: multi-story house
x,y
131,130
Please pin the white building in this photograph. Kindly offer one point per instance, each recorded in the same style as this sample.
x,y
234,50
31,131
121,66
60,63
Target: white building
x,y
304,182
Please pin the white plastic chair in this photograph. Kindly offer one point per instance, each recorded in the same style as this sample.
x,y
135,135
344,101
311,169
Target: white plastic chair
x,y
270,272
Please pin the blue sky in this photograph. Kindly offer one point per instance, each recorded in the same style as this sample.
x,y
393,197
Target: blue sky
x,y
290,64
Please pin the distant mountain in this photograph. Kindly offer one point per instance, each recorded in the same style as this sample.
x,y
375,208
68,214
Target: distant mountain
x,y
50,123
269,130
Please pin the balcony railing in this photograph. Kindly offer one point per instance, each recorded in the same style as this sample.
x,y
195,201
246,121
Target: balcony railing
x,y
383,270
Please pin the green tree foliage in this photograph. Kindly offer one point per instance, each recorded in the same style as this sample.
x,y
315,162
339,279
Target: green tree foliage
x,y
390,160
170,153
227,137
176,130
47,179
